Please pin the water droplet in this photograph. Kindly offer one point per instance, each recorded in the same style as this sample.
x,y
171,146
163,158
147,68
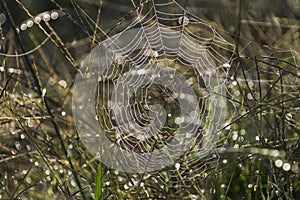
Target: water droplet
x,y
177,166
278,163
28,147
63,113
241,139
37,19
235,136
29,23
22,136
179,120
243,132
226,65
126,187
23,27
236,93
225,161
286,167
289,116
18,145
11,70
47,172
251,84
249,96
44,92
54,15
28,180
63,83
250,185
36,163
183,20
46,17
2,18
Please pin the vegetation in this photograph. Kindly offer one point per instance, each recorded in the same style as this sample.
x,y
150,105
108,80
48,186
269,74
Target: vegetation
x,y
42,156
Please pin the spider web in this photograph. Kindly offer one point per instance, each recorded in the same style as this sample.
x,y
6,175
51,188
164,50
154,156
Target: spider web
x,y
141,108
170,36
162,45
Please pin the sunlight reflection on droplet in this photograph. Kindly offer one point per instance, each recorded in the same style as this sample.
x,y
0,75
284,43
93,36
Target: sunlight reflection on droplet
x,y
249,96
28,180
226,65
28,147
251,84
18,145
225,161
29,23
44,92
2,18
63,83
54,15
73,183
37,19
257,138
278,163
286,167
23,27
183,20
46,17
177,166
235,135
126,187
179,120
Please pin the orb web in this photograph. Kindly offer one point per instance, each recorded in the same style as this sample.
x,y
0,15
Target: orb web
x,y
160,87
176,100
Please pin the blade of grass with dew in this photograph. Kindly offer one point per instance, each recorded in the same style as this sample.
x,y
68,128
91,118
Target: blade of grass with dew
x,y
98,192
